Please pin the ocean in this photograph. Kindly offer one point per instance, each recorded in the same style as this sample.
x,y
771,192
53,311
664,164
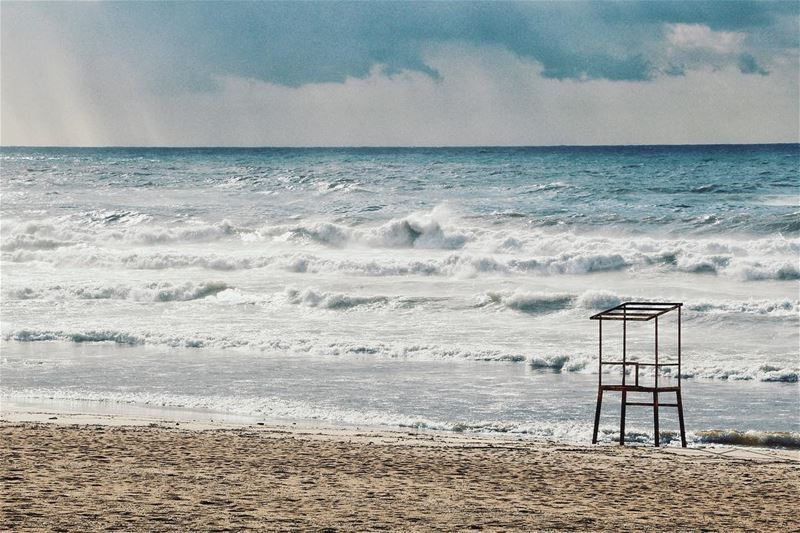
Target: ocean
x,y
447,289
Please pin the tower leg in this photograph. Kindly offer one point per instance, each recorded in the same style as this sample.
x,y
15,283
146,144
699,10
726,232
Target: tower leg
x,y
657,437
680,417
597,415
622,418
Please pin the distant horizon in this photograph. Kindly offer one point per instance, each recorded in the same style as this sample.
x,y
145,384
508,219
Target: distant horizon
x,y
388,147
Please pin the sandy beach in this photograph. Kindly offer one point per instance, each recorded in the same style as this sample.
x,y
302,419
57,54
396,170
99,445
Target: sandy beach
x,y
64,476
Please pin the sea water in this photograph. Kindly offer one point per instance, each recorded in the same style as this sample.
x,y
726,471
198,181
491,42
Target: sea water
x,y
446,288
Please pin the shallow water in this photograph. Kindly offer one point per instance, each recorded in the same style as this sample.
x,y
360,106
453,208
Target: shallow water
x,y
508,398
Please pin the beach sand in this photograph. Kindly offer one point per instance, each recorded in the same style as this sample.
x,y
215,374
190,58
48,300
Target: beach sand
x,y
85,477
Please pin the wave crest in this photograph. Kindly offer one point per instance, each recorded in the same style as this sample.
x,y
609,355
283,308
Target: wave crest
x,y
153,292
418,230
558,363
577,362
774,439
326,300
598,299
476,249
527,302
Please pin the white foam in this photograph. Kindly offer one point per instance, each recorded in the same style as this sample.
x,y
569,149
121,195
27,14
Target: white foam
x,y
191,234
765,270
697,367
305,346
476,249
786,307
754,372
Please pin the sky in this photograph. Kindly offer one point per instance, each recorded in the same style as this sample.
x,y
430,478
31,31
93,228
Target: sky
x,y
398,73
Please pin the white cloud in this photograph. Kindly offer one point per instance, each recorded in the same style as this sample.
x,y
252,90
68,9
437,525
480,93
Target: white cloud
x,y
689,36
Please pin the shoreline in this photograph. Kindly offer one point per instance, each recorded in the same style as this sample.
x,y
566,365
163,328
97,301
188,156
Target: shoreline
x,y
222,422
94,412
91,473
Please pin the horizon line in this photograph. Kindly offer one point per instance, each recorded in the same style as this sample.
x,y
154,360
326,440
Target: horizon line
x,y
383,147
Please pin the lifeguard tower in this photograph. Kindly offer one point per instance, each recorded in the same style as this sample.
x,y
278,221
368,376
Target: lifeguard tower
x,y
639,312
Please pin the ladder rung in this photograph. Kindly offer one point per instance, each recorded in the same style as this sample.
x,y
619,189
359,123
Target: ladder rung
x,y
652,404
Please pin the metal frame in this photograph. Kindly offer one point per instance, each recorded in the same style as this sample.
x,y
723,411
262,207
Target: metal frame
x,y
638,312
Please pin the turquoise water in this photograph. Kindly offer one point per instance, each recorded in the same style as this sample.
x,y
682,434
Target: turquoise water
x,y
690,190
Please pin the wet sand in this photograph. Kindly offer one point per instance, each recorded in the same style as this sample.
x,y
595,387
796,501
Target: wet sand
x,y
165,477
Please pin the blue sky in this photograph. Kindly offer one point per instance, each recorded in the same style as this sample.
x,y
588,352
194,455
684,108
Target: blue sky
x,y
398,73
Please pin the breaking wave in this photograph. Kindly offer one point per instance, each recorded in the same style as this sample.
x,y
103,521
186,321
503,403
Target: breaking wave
x,y
326,300
475,248
50,234
598,299
766,439
517,300
785,307
536,302
531,302
153,292
461,264
117,337
198,233
559,363
424,231
32,242
583,363
298,346
527,302
756,271
763,372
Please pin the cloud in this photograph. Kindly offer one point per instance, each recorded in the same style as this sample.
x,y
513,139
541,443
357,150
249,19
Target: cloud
x,y
749,65
690,36
484,96
385,74
188,44
694,46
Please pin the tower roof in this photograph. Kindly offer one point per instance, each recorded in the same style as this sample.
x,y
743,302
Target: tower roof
x,y
637,311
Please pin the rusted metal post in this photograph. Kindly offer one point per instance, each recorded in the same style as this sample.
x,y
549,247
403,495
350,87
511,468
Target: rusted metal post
x,y
622,418
680,417
599,382
656,354
655,419
679,347
624,368
657,436
624,343
597,415
678,392
600,354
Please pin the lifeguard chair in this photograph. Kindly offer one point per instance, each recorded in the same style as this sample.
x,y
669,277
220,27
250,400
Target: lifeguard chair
x,y
639,312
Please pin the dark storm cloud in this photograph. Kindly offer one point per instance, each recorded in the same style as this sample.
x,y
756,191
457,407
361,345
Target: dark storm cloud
x,y
188,44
